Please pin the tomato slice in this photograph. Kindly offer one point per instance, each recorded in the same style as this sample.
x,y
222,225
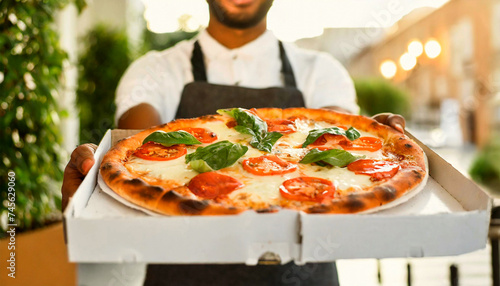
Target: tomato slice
x,y
156,152
371,144
283,126
211,185
268,165
203,135
231,123
377,169
307,189
328,141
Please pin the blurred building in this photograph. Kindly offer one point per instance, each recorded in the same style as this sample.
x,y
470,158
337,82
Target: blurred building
x,y
454,59
343,43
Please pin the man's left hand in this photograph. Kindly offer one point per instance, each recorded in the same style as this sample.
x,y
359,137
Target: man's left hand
x,y
395,121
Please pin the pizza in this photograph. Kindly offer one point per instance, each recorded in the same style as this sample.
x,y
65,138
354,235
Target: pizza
x,y
313,160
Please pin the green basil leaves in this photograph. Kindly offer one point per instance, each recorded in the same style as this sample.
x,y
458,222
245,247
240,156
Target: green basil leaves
x,y
351,134
332,157
266,141
168,139
215,156
253,125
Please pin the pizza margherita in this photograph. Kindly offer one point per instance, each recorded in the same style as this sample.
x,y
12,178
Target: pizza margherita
x,y
310,160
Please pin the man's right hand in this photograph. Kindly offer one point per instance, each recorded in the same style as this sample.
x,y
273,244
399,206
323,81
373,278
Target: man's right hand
x,y
82,159
141,116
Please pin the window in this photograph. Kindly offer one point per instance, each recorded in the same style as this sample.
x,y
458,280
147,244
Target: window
x,y
495,26
462,46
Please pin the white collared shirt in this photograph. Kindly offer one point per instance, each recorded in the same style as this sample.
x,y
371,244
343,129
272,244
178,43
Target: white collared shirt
x,y
158,78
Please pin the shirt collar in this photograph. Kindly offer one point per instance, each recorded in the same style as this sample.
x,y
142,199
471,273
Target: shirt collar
x,y
212,49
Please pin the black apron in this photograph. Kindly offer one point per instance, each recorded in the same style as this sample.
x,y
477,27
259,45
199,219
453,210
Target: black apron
x,y
199,98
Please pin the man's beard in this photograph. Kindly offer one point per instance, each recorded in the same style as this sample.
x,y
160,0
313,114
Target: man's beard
x,y
239,21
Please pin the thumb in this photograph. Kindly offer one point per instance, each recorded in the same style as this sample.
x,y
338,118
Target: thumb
x,y
83,157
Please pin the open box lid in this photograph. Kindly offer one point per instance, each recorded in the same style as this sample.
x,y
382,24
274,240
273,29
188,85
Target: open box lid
x,y
450,216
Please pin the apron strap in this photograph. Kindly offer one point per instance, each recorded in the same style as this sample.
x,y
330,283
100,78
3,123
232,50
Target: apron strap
x,y
198,63
286,68
200,74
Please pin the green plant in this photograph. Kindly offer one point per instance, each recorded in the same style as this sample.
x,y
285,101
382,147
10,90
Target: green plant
x,y
377,95
106,58
30,72
486,166
159,42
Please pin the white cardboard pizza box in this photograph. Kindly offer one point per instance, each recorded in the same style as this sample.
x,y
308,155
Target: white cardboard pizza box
x,y
449,216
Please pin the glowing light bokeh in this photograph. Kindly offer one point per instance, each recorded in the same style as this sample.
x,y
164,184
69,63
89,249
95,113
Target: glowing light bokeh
x,y
415,48
407,61
432,49
388,69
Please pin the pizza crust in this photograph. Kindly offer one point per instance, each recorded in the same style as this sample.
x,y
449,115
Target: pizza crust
x,y
406,196
171,198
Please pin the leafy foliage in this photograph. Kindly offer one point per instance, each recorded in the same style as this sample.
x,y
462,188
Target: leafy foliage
x,y
486,167
159,42
168,139
103,63
31,63
332,157
251,124
218,155
377,95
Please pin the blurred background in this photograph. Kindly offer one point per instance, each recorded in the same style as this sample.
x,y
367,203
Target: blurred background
x,y
437,62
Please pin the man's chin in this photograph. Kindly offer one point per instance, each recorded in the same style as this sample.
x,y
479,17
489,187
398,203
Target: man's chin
x,y
242,14
241,25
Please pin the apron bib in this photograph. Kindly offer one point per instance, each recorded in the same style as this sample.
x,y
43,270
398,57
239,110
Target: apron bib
x,y
200,98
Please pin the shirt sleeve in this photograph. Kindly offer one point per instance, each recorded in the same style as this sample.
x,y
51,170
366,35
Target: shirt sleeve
x,y
332,85
138,85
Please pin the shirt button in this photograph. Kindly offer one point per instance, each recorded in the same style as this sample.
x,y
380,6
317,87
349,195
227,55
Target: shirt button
x,y
235,57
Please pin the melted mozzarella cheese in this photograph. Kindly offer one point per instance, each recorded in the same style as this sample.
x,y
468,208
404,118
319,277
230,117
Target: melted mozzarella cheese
x,y
224,133
368,155
166,170
342,178
260,189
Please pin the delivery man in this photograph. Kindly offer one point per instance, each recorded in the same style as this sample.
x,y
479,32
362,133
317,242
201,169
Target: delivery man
x,y
234,62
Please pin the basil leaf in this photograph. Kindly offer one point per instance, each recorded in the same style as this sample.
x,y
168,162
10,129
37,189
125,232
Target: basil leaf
x,y
321,164
351,134
200,166
245,130
266,142
218,155
249,123
171,138
333,157
229,112
253,125
341,160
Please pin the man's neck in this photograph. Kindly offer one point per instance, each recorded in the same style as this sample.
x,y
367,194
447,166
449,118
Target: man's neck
x,y
235,38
